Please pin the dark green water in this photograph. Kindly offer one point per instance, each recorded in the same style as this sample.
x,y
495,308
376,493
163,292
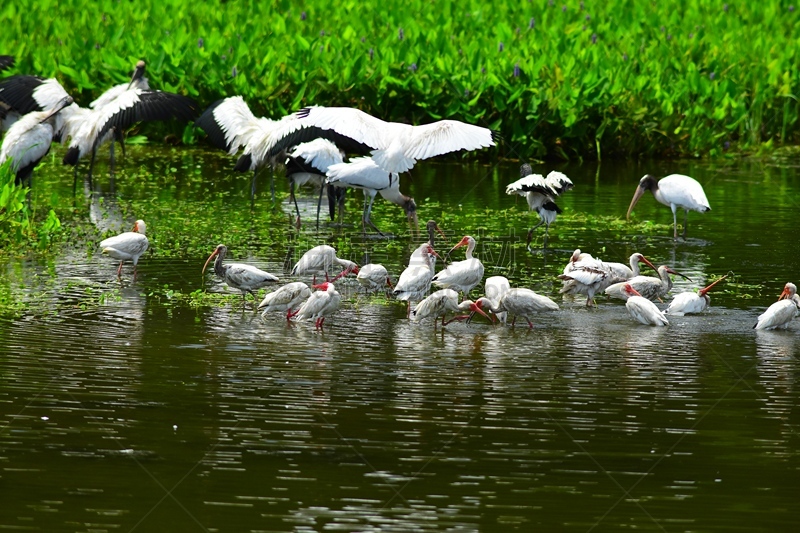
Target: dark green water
x,y
122,410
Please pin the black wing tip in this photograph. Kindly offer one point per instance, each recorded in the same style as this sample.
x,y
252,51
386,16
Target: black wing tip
x,y
496,136
552,206
302,113
72,156
244,163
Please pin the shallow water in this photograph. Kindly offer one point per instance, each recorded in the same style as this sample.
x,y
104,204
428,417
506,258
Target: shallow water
x,y
123,410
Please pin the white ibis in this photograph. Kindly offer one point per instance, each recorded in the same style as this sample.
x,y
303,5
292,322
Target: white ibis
x,y
675,190
374,277
28,140
308,163
540,193
782,312
395,147
687,303
647,286
461,275
520,302
6,62
642,309
320,305
365,174
441,302
121,107
591,276
321,259
246,278
579,258
415,280
417,255
128,246
287,298
494,288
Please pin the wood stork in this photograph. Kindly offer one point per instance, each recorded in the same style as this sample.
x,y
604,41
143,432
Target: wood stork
x,y
128,246
395,146
590,276
246,278
687,303
675,190
461,275
287,298
642,309
29,139
6,62
121,107
309,163
646,286
365,174
520,302
415,280
320,305
782,312
441,302
321,259
540,193
374,277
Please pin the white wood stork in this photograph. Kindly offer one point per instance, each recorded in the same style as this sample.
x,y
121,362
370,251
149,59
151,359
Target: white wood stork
x,y
321,259
674,191
395,146
128,246
540,193
441,302
461,275
415,280
374,277
782,312
646,286
287,298
246,278
642,309
365,174
687,303
320,305
29,139
519,302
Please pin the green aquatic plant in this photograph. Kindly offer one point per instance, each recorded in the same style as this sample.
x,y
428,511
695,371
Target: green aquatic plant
x,y
19,228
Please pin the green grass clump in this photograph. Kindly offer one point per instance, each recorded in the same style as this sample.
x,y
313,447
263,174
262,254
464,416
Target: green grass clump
x,y
20,227
557,79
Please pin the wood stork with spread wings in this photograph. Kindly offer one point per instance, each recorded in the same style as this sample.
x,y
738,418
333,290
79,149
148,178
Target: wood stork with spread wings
x,y
29,139
246,278
128,246
365,174
540,192
674,191
308,163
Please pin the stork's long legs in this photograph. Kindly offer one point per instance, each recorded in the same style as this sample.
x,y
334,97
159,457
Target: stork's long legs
x,y
685,222
367,212
319,203
674,222
530,235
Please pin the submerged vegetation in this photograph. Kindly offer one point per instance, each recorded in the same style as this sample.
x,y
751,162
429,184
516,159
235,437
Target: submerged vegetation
x,y
568,79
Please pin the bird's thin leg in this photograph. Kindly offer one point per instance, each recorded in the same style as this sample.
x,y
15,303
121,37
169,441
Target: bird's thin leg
x,y
111,156
119,270
91,161
513,321
319,204
408,309
546,232
368,220
530,324
685,222
530,234
272,182
675,223
294,199
253,185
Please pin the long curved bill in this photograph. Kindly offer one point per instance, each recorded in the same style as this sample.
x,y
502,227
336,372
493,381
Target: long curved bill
x,y
210,257
413,223
638,194
704,290
784,294
647,262
475,308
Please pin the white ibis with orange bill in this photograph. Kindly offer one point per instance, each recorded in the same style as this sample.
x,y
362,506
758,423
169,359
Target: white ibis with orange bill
x,y
374,277
415,280
782,312
642,309
520,302
461,276
591,276
128,246
287,298
321,259
441,302
687,303
647,286
321,304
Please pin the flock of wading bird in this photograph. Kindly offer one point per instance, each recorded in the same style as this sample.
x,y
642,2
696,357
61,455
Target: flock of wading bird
x,y
312,144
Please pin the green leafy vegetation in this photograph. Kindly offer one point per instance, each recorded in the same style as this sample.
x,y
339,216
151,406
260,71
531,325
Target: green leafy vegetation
x,y
20,225
567,79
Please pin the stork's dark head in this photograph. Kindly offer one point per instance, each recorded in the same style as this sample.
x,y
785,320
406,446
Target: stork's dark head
x,y
138,73
525,170
647,183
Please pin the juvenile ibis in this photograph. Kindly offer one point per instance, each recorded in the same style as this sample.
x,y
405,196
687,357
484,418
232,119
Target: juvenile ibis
x,y
675,190
320,305
687,303
782,312
246,278
590,276
540,193
128,246
321,259
415,280
642,309
647,286
287,298
520,302
29,139
441,302
461,276
374,277
365,174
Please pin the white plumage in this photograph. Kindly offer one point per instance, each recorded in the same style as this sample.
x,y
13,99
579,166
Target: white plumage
x,y
590,276
674,191
415,280
520,302
128,246
646,286
240,276
461,276
320,305
373,277
782,312
286,298
494,288
642,309
686,303
321,259
441,302
540,193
